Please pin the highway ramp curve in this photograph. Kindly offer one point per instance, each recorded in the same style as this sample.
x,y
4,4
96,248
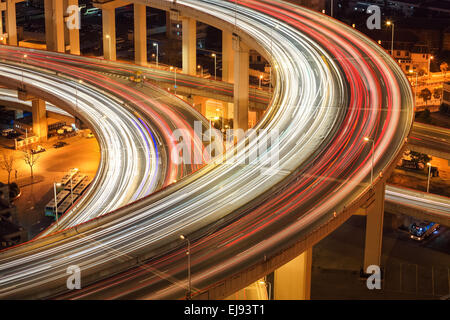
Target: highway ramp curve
x,y
333,88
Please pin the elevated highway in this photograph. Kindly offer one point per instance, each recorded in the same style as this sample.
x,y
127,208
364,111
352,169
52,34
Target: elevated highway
x,y
334,87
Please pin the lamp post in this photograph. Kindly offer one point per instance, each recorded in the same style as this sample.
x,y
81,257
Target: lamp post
x,y
76,93
260,78
215,65
74,171
415,85
367,139
429,175
183,237
390,23
155,44
429,66
56,201
201,70
23,57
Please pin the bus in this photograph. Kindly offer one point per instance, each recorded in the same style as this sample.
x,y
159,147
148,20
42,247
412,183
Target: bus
x,y
419,231
50,207
82,186
76,179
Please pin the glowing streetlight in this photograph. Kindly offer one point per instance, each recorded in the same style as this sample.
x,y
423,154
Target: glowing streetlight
x,y
390,23
429,175
429,66
56,200
157,53
215,65
201,70
260,79
189,293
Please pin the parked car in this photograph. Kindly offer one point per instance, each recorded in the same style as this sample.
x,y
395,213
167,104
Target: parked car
x,y
60,144
6,132
39,149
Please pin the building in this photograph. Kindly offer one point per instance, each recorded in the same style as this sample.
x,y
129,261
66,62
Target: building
x,y
417,60
446,95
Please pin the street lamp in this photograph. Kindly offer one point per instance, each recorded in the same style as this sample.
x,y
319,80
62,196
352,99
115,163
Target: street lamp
x,y
215,65
415,85
155,44
76,93
429,66
175,77
260,78
429,174
183,237
201,70
56,201
23,57
390,23
74,171
367,139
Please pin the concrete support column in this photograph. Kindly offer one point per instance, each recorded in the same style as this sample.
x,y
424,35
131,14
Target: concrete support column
x,y
374,227
109,33
200,104
10,20
189,46
54,25
2,38
241,84
40,126
168,26
140,34
227,57
74,33
293,280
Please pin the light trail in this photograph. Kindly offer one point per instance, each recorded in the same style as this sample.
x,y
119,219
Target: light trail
x,y
334,87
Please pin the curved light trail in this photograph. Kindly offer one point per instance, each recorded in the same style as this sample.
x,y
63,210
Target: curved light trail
x,y
334,87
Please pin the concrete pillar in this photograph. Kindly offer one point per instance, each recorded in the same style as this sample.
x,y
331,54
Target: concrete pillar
x,y
74,33
10,20
227,57
2,38
109,33
168,26
189,46
40,126
54,25
374,227
140,34
241,84
293,280
200,104
255,291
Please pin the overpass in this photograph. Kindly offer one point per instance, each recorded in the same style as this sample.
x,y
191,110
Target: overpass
x,y
230,228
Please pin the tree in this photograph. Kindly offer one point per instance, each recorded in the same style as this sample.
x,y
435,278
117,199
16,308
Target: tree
x,y
444,68
30,159
437,93
7,164
425,94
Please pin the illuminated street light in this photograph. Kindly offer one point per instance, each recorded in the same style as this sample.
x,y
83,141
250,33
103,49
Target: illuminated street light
x,y
429,174
189,292
201,70
367,139
415,85
157,53
215,65
390,23
56,201
429,66
260,78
